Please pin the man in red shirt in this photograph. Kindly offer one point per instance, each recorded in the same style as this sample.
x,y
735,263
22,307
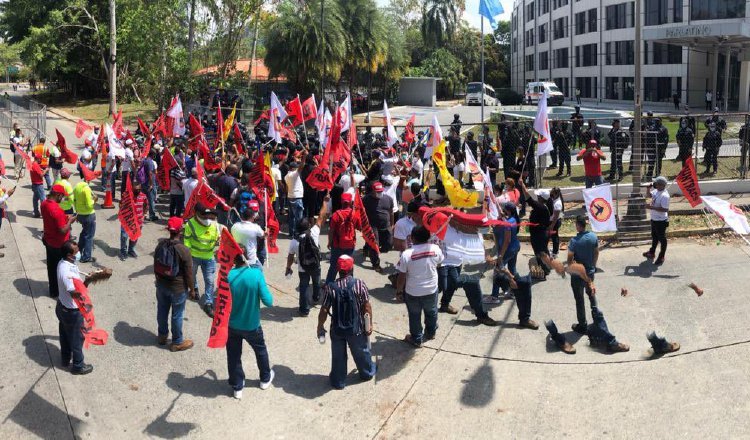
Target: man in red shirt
x,y
37,184
56,233
592,163
342,233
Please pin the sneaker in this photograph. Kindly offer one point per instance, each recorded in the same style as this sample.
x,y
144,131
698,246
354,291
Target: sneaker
x,y
669,348
509,295
2,246
659,261
162,340
304,314
489,322
86,369
123,257
237,394
581,329
648,255
89,260
530,324
133,254
209,310
409,340
567,348
37,215
618,348
65,363
427,337
266,385
186,344
449,309
491,300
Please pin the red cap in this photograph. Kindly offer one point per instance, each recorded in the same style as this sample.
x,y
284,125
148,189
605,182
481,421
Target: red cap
x,y
59,189
346,263
378,187
347,197
593,143
175,224
254,205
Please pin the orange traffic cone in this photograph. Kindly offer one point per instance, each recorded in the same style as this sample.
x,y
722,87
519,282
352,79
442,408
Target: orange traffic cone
x,y
108,199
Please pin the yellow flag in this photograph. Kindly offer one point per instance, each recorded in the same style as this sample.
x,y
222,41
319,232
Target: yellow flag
x,y
228,123
459,197
269,163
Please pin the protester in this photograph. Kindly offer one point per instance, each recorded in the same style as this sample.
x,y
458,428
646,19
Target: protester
x,y
67,201
17,144
84,201
248,234
508,246
555,205
379,210
659,210
149,187
618,143
592,158
41,154
539,220
190,184
69,317
348,302
295,193
173,269
418,285
520,288
248,289
342,233
36,173
56,231
127,164
127,246
4,196
176,191
202,234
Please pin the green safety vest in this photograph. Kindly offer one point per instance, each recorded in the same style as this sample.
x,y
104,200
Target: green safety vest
x,y
201,240
67,201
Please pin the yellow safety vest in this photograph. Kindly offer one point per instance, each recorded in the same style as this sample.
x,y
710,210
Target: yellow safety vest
x,y
67,201
201,240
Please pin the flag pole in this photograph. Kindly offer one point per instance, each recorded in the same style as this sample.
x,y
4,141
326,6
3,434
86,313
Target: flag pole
x,y
265,219
481,32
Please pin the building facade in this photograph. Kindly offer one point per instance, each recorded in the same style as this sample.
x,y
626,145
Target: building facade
x,y
589,45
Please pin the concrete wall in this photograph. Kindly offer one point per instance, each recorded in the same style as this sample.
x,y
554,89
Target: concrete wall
x,y
421,92
708,187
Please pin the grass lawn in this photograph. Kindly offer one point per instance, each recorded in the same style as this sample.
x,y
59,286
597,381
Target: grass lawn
x,y
97,110
676,223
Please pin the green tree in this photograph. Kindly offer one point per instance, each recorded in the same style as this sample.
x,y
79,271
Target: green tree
x,y
444,65
440,19
365,34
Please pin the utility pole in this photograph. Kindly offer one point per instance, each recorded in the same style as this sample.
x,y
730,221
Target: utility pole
x,y
255,47
191,36
322,43
112,58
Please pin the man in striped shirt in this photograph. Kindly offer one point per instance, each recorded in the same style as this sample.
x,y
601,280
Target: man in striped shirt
x,y
356,338
127,246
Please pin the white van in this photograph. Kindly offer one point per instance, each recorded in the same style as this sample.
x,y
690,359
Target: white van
x,y
534,91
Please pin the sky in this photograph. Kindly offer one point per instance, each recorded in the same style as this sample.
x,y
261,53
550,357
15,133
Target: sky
x,y
471,15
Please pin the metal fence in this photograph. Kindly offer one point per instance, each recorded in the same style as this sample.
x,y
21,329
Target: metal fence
x,y
243,115
29,115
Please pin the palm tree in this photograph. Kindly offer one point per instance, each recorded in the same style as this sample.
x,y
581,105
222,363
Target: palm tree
x,y
365,33
440,20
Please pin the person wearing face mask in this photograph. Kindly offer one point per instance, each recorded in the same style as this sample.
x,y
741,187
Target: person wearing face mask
x,y
57,227
662,140
618,142
711,145
127,246
202,234
690,120
685,138
70,318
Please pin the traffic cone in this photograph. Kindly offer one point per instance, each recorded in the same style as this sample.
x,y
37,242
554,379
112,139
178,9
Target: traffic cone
x,y
108,199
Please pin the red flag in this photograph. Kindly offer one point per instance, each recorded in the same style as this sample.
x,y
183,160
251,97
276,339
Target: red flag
x,y
27,158
144,129
117,126
367,234
238,141
2,167
228,251
335,133
196,133
687,180
88,175
294,112
409,134
272,225
82,128
128,216
342,157
67,155
201,173
219,127
260,177
204,195
100,140
309,111
160,126
352,136
263,115
162,174
209,160
91,334
147,134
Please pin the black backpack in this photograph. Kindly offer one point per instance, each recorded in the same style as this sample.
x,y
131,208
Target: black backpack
x,y
166,260
346,315
309,253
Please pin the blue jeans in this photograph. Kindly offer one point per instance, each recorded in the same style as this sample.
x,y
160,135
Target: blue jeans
x,y
595,180
296,212
208,268
39,196
234,356
48,180
415,305
126,244
598,332
304,279
151,198
176,205
579,286
86,240
335,254
361,354
454,279
71,337
165,300
509,259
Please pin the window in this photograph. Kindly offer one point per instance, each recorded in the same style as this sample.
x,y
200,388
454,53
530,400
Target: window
x,y
560,28
620,53
529,12
559,4
611,87
677,12
659,53
529,38
580,23
530,62
515,45
562,83
543,7
542,33
543,60
560,58
592,20
587,86
716,9
656,12
657,88
620,16
586,55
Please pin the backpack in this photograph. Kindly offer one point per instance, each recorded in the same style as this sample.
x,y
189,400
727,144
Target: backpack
x,y
309,253
166,260
141,176
346,316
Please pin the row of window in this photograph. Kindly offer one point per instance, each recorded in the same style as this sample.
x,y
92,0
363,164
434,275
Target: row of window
x,y
617,53
655,88
586,21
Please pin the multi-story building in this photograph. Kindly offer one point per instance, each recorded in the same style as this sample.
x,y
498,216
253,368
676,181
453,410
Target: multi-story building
x,y
589,45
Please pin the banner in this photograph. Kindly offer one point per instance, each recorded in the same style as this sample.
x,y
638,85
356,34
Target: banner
x,y
472,166
204,195
309,111
599,207
733,216
687,180
128,214
175,113
458,196
114,144
91,334
260,176
117,126
321,178
272,223
359,210
147,136
541,126
82,127
238,140
67,155
162,173
294,110
228,251
26,157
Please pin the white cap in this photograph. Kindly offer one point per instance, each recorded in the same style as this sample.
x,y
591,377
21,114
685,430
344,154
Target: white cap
x,y
86,155
542,193
129,142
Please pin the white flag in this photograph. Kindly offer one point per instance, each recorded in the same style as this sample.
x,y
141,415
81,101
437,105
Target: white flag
x,y
599,207
392,137
276,103
472,166
325,127
345,111
115,146
274,118
541,126
175,112
436,137
732,215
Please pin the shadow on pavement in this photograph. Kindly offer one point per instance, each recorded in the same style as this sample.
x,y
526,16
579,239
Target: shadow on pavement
x,y
205,385
163,428
646,269
106,248
148,270
38,288
37,352
131,336
281,314
386,294
35,232
391,355
42,418
479,389
308,386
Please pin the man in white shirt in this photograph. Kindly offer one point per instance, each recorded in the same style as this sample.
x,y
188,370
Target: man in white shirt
x,y
659,209
18,143
418,284
295,192
189,184
247,233
402,229
307,274
93,138
71,320
126,164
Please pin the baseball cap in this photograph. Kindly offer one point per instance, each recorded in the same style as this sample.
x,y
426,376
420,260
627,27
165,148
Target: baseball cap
x,y
345,262
347,197
542,193
661,179
201,209
253,205
64,173
377,187
593,143
59,189
128,142
174,224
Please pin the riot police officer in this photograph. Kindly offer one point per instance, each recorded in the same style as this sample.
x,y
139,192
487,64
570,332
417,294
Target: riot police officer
x,y
577,125
685,138
662,141
553,128
744,144
563,138
711,144
618,142
508,149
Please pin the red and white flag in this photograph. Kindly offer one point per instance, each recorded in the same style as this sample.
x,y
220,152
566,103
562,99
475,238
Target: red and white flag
x,y
733,216
436,137
275,103
345,112
541,126
175,112
294,109
392,136
308,109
